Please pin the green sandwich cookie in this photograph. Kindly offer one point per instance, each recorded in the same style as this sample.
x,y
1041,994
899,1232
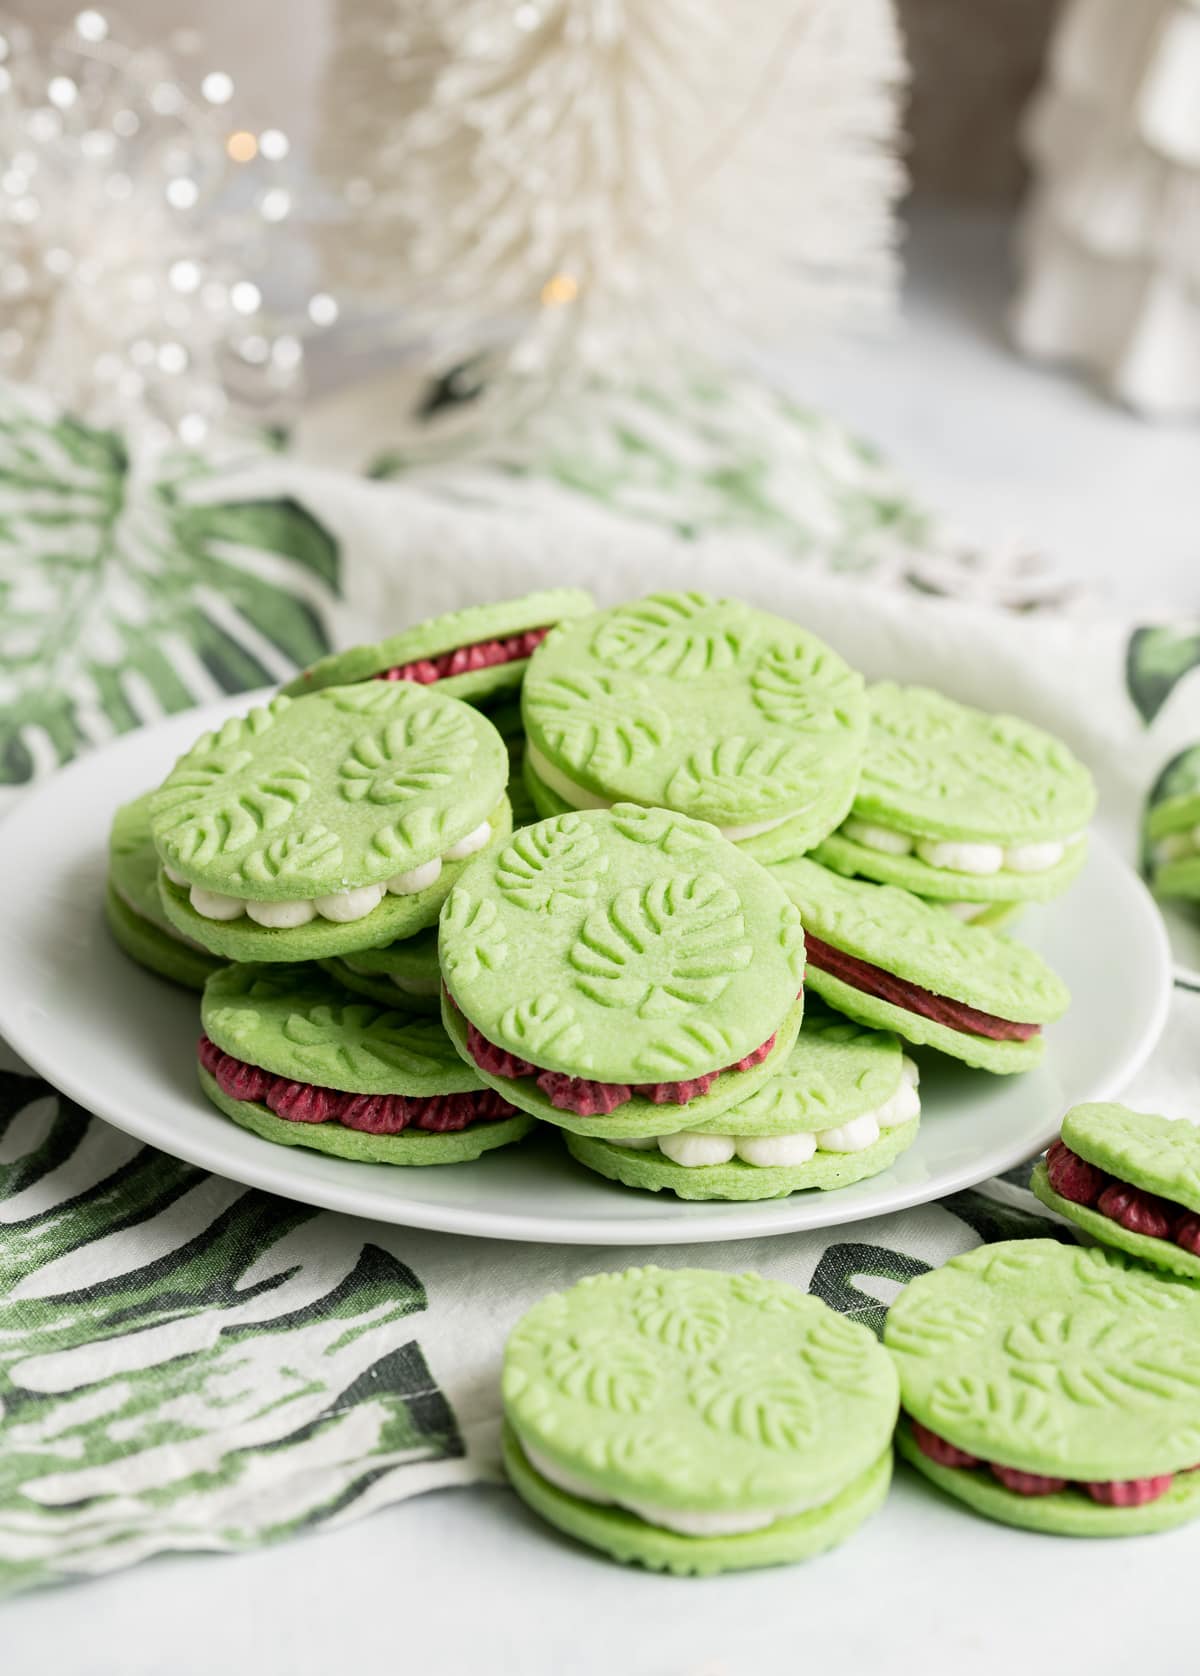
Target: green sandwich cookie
x,y
506,719
843,1107
700,705
1173,833
133,907
1053,1387
621,972
886,958
295,1059
697,1422
403,975
957,805
1130,1180
476,654
322,825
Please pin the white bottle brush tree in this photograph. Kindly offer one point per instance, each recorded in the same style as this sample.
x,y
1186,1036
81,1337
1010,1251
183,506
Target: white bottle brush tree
x,y
598,183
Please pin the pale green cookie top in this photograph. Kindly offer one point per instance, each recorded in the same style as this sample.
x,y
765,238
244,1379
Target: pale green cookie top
x,y
622,945
133,860
446,634
846,856
1160,1154
693,1389
944,770
1053,1359
311,796
923,944
295,1021
702,705
835,1073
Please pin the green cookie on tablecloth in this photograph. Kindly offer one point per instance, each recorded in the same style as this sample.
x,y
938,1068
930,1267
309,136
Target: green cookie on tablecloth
x,y
133,907
317,826
843,1107
289,1055
885,958
1129,1179
404,974
476,654
697,1422
960,806
701,705
622,971
1053,1387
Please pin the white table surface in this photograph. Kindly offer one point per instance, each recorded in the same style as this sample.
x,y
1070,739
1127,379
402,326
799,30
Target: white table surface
x,y
464,1580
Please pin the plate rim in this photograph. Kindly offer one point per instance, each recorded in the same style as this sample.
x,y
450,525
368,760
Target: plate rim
x,y
757,1219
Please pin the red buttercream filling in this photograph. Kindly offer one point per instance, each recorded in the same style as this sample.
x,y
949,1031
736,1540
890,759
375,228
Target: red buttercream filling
x,y
1110,1492
373,1114
1073,1178
483,654
597,1099
885,986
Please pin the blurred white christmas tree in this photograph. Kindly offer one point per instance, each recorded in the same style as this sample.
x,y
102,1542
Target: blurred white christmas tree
x,y
1111,276
137,222
593,180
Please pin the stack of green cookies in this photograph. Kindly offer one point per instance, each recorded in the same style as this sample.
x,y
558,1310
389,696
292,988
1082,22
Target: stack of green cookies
x,y
712,803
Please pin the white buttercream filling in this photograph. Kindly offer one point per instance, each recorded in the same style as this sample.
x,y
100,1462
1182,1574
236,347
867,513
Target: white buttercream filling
x,y
579,797
167,929
1177,846
695,1150
342,906
952,856
689,1522
963,910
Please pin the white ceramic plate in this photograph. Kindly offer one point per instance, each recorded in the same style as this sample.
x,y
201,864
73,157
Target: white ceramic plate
x,y
122,1043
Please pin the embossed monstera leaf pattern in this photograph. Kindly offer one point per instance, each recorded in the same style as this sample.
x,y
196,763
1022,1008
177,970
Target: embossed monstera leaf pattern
x,y
680,635
552,866
594,724
1060,1361
329,790
675,952
936,766
130,588
296,1022
701,705
754,1392
411,753
663,949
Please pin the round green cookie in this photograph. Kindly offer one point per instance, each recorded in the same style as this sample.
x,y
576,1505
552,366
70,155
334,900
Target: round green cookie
x,y
408,1148
638,1116
632,1541
909,872
446,634
1057,1360
681,1393
404,974
311,796
925,946
158,951
626,946
706,706
939,769
1067,1513
394,920
294,1021
737,1180
133,908
1157,1154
